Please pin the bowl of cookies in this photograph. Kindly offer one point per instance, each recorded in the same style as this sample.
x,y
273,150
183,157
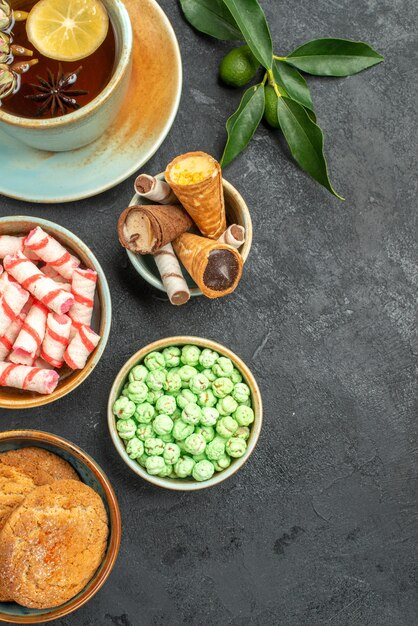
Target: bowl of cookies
x,y
187,232
185,413
60,527
55,312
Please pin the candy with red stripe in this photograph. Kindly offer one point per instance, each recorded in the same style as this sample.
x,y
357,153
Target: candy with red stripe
x,y
56,339
10,244
42,381
10,336
49,271
43,288
83,288
80,347
12,302
52,252
31,336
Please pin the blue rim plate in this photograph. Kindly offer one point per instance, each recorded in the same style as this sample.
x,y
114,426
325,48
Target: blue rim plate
x,y
146,117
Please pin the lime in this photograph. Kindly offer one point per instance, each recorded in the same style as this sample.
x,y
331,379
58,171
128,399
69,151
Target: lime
x,y
238,67
67,30
270,109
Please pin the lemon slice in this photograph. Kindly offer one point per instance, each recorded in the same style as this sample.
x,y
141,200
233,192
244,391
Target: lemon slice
x,y
67,30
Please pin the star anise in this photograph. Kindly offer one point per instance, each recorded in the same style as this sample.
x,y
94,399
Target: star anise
x,y
56,94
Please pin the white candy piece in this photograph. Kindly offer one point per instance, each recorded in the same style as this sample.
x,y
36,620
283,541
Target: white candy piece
x,y
233,236
51,252
158,190
10,336
80,347
28,378
56,340
31,336
173,280
83,288
49,271
10,245
12,302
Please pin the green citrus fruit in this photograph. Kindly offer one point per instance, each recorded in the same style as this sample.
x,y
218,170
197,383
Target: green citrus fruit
x,y
238,67
270,109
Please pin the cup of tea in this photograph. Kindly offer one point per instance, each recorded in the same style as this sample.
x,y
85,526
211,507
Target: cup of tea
x,y
28,115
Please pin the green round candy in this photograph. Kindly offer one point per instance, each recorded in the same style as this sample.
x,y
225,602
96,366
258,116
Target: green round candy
x,y
236,376
137,392
190,355
184,467
163,424
208,358
186,373
171,453
235,447
142,460
172,356
191,414
139,373
124,408
154,361
195,444
208,432
244,415
134,448
209,374
144,432
154,465
203,470
222,387
243,432
215,449
207,398
166,405
125,391
166,471
226,427
198,383
223,367
172,382
186,397
176,414
223,463
226,406
126,428
155,380
181,430
209,416
144,413
152,396
182,447
167,438
154,446
241,392
199,457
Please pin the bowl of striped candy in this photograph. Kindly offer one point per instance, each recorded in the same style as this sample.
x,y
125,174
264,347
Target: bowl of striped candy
x,y
55,312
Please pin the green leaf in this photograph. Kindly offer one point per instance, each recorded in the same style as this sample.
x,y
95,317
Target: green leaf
x,y
305,140
252,22
295,85
242,125
212,18
333,57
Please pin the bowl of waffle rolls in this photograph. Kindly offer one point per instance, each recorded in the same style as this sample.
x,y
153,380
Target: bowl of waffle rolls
x,y
55,312
187,232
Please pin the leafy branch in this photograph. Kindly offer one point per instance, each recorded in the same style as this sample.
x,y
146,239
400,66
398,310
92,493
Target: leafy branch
x,y
283,95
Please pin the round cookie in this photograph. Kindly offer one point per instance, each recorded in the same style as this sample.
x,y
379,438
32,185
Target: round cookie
x,y
42,466
52,544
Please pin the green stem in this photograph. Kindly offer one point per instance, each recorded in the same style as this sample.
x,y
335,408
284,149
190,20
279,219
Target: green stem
x,y
265,78
273,83
279,58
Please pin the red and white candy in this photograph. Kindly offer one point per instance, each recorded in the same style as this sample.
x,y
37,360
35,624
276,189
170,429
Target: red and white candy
x,y
83,287
10,245
43,288
51,252
56,340
12,302
28,378
80,347
49,271
10,336
28,343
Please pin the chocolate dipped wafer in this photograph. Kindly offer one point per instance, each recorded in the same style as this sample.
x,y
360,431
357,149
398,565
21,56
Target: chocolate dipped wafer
x,y
214,266
145,229
196,179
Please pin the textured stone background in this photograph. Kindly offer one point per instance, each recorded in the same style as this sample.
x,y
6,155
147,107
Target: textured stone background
x,y
320,527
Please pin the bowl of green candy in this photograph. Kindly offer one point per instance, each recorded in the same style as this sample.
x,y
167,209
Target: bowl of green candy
x,y
185,413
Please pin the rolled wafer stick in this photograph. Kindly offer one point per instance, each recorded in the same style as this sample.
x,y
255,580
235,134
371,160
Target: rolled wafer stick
x,y
4,280
51,252
12,302
83,288
56,340
49,271
31,336
173,280
234,236
10,336
10,244
29,378
80,348
155,189
39,285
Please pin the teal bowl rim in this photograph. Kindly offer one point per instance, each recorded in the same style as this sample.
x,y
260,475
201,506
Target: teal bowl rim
x,y
106,297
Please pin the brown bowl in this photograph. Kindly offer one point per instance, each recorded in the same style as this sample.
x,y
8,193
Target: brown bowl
x,y
91,474
102,316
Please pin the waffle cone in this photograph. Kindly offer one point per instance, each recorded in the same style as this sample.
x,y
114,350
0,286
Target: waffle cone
x,y
204,201
193,251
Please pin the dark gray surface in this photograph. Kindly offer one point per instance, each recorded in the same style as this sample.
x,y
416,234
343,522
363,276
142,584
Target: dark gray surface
x,y
320,527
